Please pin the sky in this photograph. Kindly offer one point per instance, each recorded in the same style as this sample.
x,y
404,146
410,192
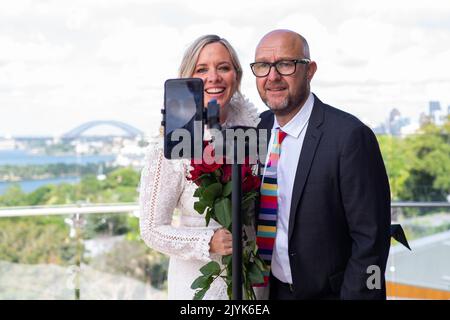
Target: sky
x,y
63,63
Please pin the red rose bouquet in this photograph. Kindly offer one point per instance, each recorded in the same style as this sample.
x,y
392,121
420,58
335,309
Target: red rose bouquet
x,y
214,201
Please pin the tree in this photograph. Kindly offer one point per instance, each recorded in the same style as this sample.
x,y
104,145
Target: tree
x,y
429,176
397,159
36,240
14,196
43,240
125,177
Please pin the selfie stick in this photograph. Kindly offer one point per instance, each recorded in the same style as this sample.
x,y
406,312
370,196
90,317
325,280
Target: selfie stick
x,y
213,115
236,198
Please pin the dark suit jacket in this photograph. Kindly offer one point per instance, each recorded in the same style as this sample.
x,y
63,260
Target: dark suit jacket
x,y
340,212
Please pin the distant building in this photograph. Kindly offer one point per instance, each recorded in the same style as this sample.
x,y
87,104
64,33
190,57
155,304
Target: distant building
x,y
380,129
7,144
393,125
131,154
396,125
434,106
424,119
436,114
81,148
397,122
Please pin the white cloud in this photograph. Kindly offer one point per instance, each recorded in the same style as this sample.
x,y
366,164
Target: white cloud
x,y
65,62
14,8
39,50
77,18
321,41
130,43
364,39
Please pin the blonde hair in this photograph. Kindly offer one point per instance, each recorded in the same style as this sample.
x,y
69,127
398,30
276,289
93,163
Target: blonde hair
x,y
191,54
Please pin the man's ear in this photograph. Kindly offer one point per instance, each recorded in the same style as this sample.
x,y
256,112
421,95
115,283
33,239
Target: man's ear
x,y
312,68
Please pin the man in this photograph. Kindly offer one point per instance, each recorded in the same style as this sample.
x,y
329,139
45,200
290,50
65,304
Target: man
x,y
330,214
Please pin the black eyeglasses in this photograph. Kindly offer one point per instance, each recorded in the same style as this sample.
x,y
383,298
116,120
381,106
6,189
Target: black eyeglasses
x,y
283,67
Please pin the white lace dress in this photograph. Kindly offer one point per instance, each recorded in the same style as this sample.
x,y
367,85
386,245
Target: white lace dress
x,y
163,189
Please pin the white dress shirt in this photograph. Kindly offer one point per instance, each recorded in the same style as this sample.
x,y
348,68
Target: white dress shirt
x,y
287,167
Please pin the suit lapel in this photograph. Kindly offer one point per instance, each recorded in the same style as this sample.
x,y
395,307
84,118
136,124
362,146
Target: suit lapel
x,y
310,143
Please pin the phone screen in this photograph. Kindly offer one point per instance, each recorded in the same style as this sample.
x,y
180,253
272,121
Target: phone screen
x,y
183,104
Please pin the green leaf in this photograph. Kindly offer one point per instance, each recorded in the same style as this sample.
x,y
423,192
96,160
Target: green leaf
x,y
212,192
207,180
248,199
211,268
251,245
198,192
248,218
205,175
255,249
200,293
202,282
222,209
260,263
230,291
200,206
208,216
255,275
227,189
226,259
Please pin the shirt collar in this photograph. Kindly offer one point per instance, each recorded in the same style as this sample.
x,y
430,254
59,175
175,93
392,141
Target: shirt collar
x,y
295,126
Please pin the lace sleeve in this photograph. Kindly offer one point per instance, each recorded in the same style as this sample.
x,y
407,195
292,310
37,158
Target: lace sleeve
x,y
162,182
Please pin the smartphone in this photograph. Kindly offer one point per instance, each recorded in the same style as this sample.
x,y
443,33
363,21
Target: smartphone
x,y
183,117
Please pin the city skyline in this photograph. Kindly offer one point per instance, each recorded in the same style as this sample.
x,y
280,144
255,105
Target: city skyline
x,y
109,127
63,64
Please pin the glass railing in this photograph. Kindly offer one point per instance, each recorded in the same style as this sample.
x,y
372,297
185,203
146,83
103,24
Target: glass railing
x,y
95,252
423,272
86,252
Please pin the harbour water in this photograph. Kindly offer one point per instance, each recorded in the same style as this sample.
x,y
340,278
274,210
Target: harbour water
x,y
23,158
31,185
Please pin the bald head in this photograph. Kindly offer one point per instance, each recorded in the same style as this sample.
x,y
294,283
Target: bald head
x,y
284,91
285,38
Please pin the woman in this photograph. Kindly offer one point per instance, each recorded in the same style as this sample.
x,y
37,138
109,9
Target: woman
x,y
164,186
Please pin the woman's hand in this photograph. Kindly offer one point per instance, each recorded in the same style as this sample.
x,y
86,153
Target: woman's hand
x,y
221,242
